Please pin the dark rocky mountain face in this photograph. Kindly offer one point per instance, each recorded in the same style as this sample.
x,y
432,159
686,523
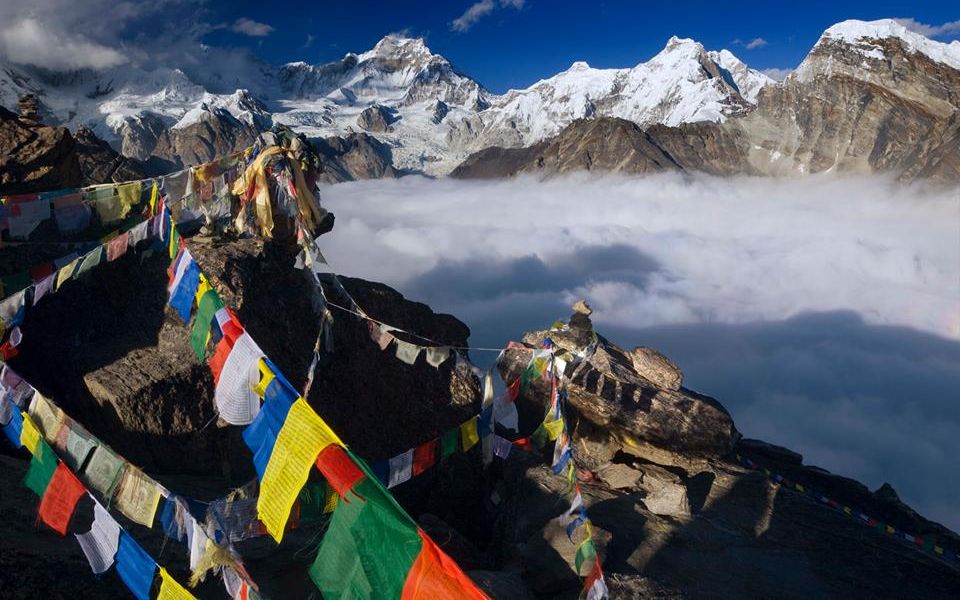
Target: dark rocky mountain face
x,y
35,157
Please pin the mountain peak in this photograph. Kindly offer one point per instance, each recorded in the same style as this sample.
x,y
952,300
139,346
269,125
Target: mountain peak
x,y
579,65
394,45
859,34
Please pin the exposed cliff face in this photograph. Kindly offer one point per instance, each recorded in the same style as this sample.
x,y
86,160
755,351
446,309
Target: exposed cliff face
x,y
35,157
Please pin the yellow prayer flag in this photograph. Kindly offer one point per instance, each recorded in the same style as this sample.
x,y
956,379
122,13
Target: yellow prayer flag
x,y
468,434
29,434
138,496
153,199
66,271
303,435
890,529
170,589
553,428
129,194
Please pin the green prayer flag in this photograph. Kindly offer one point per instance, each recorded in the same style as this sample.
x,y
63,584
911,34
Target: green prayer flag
x,y
103,470
42,466
370,545
585,552
210,303
449,442
312,498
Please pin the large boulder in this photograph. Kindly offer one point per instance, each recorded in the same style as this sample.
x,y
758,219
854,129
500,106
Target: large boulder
x,y
376,118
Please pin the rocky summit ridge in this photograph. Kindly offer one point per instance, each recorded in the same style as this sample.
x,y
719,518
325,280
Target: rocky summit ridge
x,y
870,96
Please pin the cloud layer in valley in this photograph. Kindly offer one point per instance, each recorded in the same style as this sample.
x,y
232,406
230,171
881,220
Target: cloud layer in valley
x,y
823,312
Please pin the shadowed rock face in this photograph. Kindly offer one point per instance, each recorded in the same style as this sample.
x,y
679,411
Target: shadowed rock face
x,y
34,157
353,157
100,163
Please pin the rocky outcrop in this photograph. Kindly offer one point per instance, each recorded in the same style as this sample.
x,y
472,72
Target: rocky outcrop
x,y
100,163
35,157
376,118
356,156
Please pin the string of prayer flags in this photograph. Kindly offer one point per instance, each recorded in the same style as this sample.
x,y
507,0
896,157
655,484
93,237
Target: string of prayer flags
x,y
184,286
303,435
401,468
137,496
235,394
60,499
135,567
100,544
170,589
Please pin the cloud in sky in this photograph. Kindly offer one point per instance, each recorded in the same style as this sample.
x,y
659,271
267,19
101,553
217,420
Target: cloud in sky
x,y
776,74
758,42
824,312
948,29
29,42
250,27
478,10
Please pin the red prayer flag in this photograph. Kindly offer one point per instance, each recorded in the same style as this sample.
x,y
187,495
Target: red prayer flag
x,y
338,469
436,575
117,247
60,499
513,390
424,456
231,331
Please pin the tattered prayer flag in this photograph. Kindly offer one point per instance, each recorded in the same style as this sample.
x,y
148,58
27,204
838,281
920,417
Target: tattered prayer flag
x,y
230,329
386,338
501,446
235,394
138,497
47,416
449,442
585,553
89,261
185,286
99,544
103,471
42,467
209,304
170,589
60,499
303,436
106,204
79,445
135,567
436,575
401,468
468,434
29,435
13,429
338,469
139,233
117,247
407,352
424,456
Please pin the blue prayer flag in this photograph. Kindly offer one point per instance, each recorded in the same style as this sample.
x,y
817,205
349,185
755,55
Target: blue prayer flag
x,y
135,567
14,427
181,299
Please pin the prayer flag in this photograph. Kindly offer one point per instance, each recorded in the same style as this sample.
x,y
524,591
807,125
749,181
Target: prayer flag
x,y
89,261
209,304
424,456
436,575
170,589
138,496
99,544
468,432
407,352
338,469
105,203
235,397
66,271
117,247
71,213
60,499
79,445
13,429
29,435
128,195
401,468
135,567
436,355
42,287
103,471
501,446
303,435
184,286
7,408
230,330
47,416
449,442
42,467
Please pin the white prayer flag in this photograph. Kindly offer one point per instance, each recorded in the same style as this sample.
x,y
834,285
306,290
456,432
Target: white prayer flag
x,y
10,306
235,397
401,468
100,543
505,413
197,540
501,446
139,233
185,261
407,352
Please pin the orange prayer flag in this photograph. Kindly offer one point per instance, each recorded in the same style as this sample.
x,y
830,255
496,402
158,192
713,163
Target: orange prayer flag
x,y
424,456
60,499
436,575
338,469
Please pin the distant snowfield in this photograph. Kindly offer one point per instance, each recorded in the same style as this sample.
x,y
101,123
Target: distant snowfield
x,y
824,312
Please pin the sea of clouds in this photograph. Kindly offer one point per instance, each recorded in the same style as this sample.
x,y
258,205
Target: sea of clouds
x,y
823,312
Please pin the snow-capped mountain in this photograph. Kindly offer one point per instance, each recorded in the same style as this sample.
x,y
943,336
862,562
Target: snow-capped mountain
x,y
433,115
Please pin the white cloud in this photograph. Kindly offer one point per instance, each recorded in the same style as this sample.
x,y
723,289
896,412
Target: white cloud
x,y
309,42
478,10
252,28
776,74
756,43
794,301
948,29
29,42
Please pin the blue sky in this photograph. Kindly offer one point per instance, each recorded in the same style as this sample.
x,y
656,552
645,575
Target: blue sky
x,y
513,43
